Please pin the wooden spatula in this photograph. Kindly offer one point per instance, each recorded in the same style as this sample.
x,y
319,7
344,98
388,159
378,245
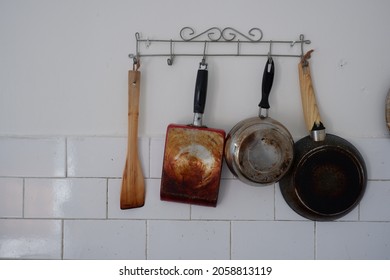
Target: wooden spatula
x,y
133,185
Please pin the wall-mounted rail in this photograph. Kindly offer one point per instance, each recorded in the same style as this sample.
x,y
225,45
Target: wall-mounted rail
x,y
215,35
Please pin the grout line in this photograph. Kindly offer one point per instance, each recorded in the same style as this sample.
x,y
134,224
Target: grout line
x,y
274,202
175,220
62,238
23,196
107,198
358,212
315,240
146,238
230,240
150,156
66,157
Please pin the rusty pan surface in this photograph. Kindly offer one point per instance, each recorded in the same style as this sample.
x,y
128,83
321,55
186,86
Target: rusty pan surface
x,y
192,164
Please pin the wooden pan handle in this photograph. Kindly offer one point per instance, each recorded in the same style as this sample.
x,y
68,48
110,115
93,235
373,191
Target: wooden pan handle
x,y
133,185
309,103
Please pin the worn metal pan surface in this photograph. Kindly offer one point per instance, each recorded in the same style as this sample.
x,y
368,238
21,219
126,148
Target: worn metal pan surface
x,y
193,156
259,150
328,177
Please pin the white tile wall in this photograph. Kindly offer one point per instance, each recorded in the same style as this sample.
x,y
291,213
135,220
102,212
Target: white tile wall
x,y
238,201
30,239
272,240
347,240
102,156
59,199
104,239
188,240
32,157
375,205
65,198
11,192
376,153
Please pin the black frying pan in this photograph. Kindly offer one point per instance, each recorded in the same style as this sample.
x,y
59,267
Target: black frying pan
x,y
328,177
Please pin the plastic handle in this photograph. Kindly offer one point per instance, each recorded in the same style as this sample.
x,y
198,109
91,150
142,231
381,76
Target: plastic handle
x,y
268,78
200,91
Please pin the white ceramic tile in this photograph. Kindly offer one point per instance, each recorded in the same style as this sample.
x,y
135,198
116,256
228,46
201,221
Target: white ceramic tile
x,y
157,145
283,211
32,157
30,239
353,240
102,156
272,240
239,201
11,197
65,198
375,205
376,154
104,239
154,208
176,240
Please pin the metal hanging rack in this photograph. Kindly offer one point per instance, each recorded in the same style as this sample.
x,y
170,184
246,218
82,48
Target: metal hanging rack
x,y
216,35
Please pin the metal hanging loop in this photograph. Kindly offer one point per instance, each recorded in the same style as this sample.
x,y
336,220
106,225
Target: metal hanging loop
x,y
301,37
270,52
170,59
203,62
136,57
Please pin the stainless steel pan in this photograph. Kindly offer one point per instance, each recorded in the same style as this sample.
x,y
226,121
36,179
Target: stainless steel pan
x,y
259,150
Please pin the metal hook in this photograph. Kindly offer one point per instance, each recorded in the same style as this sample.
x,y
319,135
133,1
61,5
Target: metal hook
x,y
170,59
270,52
301,37
203,62
136,56
147,43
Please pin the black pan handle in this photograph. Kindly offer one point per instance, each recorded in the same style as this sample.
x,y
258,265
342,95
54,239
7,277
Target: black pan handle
x,y
268,78
200,91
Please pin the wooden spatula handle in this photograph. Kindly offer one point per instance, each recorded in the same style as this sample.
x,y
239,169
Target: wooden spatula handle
x,y
309,103
133,185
